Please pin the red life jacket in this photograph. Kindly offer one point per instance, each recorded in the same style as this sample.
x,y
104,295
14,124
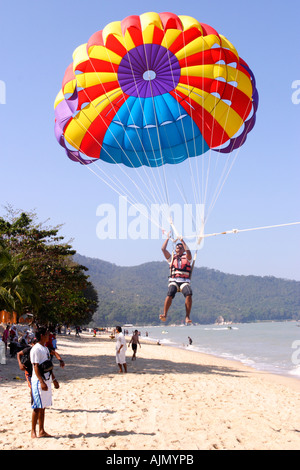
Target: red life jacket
x,y
183,271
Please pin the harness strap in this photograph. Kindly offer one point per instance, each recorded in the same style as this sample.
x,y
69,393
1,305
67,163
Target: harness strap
x,y
179,288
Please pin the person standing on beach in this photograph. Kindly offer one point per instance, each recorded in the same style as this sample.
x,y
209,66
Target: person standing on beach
x,y
41,393
121,350
25,363
5,337
179,279
134,342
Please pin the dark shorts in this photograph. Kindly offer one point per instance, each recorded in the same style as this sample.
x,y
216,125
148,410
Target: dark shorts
x,y
175,287
134,346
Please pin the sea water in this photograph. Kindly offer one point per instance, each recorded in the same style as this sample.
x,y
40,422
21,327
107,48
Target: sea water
x,y
268,346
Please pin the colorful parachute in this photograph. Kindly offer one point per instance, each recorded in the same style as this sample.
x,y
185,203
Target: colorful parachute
x,y
154,89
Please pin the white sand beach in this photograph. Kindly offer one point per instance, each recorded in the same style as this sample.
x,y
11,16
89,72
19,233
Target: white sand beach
x,y
170,399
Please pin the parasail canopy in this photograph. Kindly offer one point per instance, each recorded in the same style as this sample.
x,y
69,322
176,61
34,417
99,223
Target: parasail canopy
x,y
152,90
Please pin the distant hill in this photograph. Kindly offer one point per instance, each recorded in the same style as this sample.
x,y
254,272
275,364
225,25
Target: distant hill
x,y
136,295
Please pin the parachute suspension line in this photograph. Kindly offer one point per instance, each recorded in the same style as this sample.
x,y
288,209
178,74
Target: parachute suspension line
x,y
144,196
183,130
150,186
198,242
118,188
149,136
210,153
212,112
108,177
146,156
224,176
172,257
145,153
122,169
221,181
165,185
154,179
207,156
132,201
204,180
203,188
174,231
226,171
197,194
192,173
235,231
195,219
199,237
201,194
187,205
205,173
158,137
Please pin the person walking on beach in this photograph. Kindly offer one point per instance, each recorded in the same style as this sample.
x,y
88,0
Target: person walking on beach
x,y
134,342
41,393
179,279
121,350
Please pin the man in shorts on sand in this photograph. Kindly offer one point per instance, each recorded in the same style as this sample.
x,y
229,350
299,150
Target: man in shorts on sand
x,y
134,342
41,394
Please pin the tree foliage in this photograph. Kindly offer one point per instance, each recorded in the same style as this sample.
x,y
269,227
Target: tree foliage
x,y
66,295
18,284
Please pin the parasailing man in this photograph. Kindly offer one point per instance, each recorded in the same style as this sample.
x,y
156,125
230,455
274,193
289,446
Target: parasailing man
x,y
179,280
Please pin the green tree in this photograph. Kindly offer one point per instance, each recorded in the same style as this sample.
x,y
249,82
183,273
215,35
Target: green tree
x,y
19,289
63,284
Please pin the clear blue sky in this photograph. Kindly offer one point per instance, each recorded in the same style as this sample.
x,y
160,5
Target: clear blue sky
x,y
37,42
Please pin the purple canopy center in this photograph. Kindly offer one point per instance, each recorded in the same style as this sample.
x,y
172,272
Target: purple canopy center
x,y
148,70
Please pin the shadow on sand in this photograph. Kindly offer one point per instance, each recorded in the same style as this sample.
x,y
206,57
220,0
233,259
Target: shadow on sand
x,y
105,365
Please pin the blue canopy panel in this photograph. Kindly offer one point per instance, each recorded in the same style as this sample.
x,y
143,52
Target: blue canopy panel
x,y
151,131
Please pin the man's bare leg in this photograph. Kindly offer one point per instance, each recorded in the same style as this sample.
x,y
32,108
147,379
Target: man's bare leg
x,y
188,308
167,305
34,420
38,416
